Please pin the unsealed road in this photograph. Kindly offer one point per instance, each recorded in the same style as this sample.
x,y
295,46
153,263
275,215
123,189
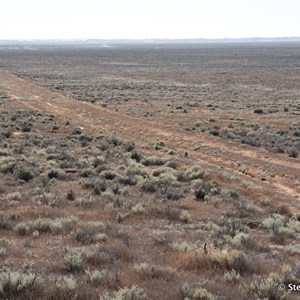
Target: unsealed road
x,y
247,164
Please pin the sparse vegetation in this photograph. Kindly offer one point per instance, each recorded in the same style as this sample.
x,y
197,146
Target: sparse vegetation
x,y
14,284
132,293
202,294
152,197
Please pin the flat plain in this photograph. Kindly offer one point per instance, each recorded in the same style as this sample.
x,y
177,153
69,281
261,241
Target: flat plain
x,y
150,171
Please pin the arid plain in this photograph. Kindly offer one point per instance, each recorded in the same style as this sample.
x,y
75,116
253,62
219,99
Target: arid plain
x,y
150,171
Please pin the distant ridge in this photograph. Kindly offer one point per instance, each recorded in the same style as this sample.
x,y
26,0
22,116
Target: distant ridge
x,y
102,42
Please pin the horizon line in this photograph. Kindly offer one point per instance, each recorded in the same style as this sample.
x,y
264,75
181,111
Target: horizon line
x,y
144,39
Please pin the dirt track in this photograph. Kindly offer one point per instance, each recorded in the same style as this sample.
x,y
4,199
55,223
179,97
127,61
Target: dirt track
x,y
248,165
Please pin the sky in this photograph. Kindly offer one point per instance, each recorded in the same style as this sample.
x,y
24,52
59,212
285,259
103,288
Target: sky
x,y
148,19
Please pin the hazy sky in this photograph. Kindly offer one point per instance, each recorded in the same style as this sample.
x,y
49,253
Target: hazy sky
x,y
104,19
